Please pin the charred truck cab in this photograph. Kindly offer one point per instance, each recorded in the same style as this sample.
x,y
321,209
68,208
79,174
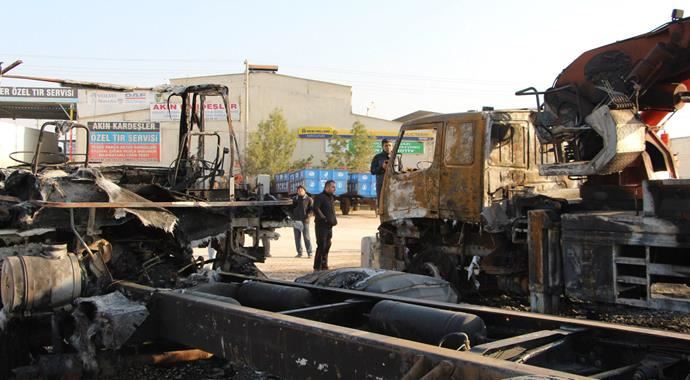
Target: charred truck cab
x,y
459,209
578,197
482,207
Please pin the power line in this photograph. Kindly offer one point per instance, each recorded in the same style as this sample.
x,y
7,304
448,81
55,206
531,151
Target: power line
x,y
200,64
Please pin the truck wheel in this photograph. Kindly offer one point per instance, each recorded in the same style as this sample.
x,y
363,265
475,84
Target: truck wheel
x,y
345,204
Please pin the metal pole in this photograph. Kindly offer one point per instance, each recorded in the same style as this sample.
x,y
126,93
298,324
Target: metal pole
x,y
246,108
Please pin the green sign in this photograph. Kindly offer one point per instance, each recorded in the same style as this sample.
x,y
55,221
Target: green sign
x,y
411,147
406,147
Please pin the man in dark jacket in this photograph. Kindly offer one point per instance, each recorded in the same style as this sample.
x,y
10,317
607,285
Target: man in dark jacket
x,y
324,220
303,209
379,163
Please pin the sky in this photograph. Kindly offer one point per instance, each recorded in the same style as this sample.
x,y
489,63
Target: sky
x,y
398,56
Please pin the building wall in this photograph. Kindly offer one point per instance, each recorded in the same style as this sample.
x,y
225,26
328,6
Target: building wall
x,y
681,150
20,138
304,102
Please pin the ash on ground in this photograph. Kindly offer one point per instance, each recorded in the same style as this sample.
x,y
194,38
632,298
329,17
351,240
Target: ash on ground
x,y
210,369
619,314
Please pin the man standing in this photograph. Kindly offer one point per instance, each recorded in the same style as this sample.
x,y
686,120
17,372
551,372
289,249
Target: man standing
x,y
379,164
303,208
324,220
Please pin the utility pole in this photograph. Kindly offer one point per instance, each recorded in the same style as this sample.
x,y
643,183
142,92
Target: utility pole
x,y
248,68
246,108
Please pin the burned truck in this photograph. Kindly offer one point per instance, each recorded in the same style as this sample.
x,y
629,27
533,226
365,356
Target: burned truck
x,y
99,259
71,231
578,197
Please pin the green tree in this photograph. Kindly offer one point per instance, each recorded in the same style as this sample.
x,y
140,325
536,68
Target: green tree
x,y
354,154
302,163
339,157
271,147
361,148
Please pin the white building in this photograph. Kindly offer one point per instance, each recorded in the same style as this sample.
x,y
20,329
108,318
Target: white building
x,y
313,109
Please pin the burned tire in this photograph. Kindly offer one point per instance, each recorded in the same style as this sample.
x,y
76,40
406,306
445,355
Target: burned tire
x,y
345,205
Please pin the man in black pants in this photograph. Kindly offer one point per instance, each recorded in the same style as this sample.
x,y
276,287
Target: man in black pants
x,y
379,164
303,209
324,220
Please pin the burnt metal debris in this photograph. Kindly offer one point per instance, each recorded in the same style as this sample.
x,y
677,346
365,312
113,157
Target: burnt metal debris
x,y
578,198
69,232
345,333
98,260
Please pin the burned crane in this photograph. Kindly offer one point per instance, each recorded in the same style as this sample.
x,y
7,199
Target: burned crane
x,y
576,198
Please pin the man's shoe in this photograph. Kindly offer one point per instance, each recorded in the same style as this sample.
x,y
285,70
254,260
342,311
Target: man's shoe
x,y
299,255
309,255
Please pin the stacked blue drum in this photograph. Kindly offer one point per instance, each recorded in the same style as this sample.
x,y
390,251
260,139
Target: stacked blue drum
x,y
313,181
362,184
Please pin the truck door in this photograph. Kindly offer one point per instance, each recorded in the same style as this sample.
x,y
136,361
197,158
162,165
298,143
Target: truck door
x,y
410,188
461,180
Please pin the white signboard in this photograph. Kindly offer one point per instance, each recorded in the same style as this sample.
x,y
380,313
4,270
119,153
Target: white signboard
x,y
137,97
212,111
97,102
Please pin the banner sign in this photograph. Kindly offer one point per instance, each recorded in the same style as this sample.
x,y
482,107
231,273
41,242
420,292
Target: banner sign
x,y
212,111
328,132
124,141
39,94
137,97
315,132
406,147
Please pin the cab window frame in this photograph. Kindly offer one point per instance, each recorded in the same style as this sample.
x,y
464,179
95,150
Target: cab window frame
x,y
509,149
398,157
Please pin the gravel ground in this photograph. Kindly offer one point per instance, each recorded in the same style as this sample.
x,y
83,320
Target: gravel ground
x,y
200,370
620,314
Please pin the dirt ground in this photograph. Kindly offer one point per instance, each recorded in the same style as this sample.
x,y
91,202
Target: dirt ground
x,y
345,251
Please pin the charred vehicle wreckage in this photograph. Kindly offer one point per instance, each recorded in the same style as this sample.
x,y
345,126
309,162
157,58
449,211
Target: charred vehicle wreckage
x,y
98,265
98,269
578,198
69,232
